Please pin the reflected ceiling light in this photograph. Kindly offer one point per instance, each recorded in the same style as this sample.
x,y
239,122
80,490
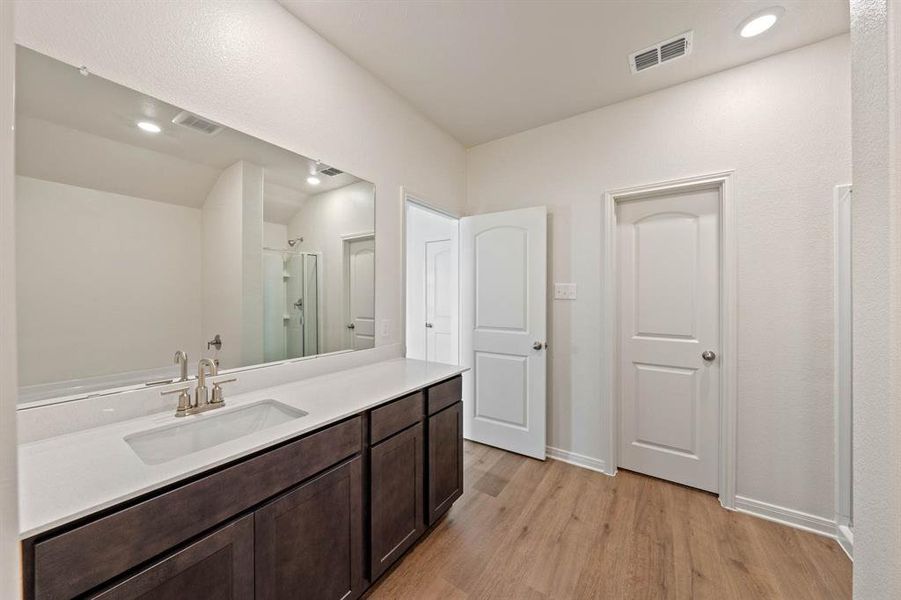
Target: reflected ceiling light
x,y
760,22
313,180
149,127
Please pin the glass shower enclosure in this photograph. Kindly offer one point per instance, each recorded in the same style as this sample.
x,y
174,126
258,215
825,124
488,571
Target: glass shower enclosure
x,y
290,304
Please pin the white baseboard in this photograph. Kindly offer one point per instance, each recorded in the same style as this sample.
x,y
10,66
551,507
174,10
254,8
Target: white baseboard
x,y
787,516
579,460
756,508
845,537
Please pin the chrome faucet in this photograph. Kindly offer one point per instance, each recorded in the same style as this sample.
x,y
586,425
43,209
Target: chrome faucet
x,y
202,401
201,394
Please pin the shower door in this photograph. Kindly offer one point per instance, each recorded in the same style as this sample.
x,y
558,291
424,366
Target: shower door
x,y
311,304
294,305
290,304
273,307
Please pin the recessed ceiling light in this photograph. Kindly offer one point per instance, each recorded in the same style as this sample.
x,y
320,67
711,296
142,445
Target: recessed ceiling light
x,y
149,127
760,22
312,180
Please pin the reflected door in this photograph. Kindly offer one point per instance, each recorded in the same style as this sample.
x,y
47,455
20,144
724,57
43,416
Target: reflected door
x,y
504,258
360,272
668,248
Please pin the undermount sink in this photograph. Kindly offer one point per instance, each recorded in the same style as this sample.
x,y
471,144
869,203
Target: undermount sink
x,y
198,432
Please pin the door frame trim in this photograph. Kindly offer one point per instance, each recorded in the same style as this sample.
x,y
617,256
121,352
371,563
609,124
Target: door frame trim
x,y
843,195
723,182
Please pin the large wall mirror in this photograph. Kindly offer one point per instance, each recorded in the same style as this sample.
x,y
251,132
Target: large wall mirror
x,y
143,229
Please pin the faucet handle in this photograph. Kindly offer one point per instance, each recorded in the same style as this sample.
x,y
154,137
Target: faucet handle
x,y
184,400
217,390
180,390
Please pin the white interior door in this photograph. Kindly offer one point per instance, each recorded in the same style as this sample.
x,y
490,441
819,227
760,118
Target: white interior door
x,y
361,292
441,301
668,265
503,283
432,285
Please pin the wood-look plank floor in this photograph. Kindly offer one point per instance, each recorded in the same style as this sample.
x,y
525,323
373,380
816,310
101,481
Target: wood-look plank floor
x,y
527,529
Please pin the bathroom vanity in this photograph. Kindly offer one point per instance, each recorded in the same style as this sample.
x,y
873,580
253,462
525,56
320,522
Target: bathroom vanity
x,y
318,505
315,468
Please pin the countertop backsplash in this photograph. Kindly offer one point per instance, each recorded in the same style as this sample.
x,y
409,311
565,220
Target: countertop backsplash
x,y
45,419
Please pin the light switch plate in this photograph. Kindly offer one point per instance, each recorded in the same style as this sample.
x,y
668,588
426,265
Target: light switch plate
x,y
564,291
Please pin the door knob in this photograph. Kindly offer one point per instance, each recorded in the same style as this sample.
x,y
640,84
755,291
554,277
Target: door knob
x,y
429,325
351,326
538,346
708,355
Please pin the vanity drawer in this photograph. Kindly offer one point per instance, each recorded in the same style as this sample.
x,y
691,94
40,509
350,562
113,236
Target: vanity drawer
x,y
441,395
80,559
219,565
396,416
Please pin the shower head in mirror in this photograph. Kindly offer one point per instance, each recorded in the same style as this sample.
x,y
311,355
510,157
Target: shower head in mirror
x,y
295,241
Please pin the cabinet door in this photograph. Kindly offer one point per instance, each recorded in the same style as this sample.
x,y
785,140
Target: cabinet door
x,y
445,460
397,497
216,567
309,541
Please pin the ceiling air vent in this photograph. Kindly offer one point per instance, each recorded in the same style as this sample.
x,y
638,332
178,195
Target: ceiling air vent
x,y
660,53
331,171
645,60
192,121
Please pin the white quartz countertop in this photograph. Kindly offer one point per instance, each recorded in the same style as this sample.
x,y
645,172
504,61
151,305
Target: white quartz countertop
x,y
70,476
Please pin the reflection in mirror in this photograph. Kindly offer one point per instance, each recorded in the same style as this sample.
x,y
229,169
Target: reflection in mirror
x,y
143,229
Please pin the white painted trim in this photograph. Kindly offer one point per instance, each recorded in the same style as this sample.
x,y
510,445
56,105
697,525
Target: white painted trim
x,y
842,198
362,235
845,538
579,460
786,516
728,317
408,196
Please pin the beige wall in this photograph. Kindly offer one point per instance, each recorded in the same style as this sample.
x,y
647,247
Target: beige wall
x,y
231,266
783,125
93,270
876,285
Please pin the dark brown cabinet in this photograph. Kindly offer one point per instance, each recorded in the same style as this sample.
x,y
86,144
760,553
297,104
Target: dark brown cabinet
x,y
445,450
304,519
396,497
219,566
71,562
309,541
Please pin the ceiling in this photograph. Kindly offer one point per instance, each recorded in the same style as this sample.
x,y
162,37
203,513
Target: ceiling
x,y
487,69
82,131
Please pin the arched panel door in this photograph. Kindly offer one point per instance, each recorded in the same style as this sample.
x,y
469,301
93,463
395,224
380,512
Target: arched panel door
x,y
360,286
504,260
668,257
